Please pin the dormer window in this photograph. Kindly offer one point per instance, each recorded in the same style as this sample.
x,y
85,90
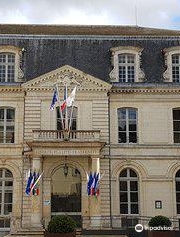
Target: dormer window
x,y
7,67
172,63
176,67
126,67
10,64
126,63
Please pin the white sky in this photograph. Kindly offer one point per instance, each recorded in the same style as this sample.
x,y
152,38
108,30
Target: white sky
x,y
150,13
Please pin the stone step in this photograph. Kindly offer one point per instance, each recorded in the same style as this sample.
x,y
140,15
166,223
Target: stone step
x,y
28,233
3,233
78,232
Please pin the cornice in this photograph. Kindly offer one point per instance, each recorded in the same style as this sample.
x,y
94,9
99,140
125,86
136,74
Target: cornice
x,y
144,90
62,89
11,89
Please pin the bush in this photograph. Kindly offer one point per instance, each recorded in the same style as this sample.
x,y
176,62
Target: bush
x,y
61,224
160,221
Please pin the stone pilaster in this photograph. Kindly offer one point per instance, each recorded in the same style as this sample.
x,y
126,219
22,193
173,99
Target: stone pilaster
x,y
36,201
95,202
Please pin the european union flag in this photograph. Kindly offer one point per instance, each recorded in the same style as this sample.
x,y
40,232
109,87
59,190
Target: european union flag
x,y
55,98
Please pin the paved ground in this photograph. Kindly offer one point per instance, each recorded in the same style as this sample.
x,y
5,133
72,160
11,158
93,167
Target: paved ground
x,y
3,233
104,235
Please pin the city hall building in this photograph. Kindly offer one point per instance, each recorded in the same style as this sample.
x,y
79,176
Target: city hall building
x,y
125,125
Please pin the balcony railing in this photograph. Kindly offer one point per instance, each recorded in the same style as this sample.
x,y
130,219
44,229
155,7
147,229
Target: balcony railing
x,y
74,135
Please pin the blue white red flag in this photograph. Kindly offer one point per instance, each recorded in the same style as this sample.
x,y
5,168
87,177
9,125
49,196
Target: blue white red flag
x,y
29,183
65,99
95,184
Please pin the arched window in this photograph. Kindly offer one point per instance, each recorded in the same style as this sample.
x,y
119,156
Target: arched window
x,y
126,67
70,114
7,121
6,196
66,190
127,125
128,192
178,192
7,67
176,125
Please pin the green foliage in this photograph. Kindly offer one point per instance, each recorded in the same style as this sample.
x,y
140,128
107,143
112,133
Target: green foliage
x,y
160,221
61,224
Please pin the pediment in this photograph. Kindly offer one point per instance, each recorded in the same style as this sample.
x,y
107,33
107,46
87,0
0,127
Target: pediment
x,y
67,75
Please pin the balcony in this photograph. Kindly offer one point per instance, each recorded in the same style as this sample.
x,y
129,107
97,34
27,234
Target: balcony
x,y
73,136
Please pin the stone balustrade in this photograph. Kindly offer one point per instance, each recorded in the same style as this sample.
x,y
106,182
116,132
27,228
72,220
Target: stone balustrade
x,y
64,135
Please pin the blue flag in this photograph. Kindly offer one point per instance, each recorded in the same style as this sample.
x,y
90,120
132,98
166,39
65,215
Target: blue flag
x,y
89,184
55,98
28,187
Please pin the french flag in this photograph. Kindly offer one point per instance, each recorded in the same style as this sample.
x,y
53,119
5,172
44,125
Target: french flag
x,y
29,184
65,99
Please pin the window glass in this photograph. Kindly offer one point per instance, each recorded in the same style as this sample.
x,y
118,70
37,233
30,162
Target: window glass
x,y
127,125
7,67
126,67
176,125
6,192
128,192
69,113
176,67
178,191
7,121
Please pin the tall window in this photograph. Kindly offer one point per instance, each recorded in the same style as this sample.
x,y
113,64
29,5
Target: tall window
x,y
176,67
127,125
6,196
70,113
178,192
7,67
176,125
126,67
7,120
128,192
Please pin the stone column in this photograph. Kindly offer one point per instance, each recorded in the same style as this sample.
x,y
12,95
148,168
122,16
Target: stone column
x,y
95,202
36,201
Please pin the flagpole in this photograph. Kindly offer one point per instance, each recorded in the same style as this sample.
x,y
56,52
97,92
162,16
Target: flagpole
x,y
66,115
60,108
70,120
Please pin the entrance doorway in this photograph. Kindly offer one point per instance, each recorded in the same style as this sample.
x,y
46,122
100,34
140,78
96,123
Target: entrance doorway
x,y
66,193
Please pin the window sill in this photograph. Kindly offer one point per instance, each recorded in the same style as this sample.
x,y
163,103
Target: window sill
x,y
9,145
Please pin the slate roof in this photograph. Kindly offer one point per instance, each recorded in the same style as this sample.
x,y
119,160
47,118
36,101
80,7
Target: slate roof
x,y
87,48
84,30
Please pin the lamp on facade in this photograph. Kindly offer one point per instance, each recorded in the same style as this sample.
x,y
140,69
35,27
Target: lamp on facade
x,y
65,168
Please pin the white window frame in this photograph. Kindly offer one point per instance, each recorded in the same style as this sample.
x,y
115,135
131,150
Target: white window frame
x,y
128,179
5,124
18,73
6,64
168,52
4,188
126,65
136,51
127,125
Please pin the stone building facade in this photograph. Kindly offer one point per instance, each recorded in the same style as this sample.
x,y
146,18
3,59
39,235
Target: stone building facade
x,y
127,124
